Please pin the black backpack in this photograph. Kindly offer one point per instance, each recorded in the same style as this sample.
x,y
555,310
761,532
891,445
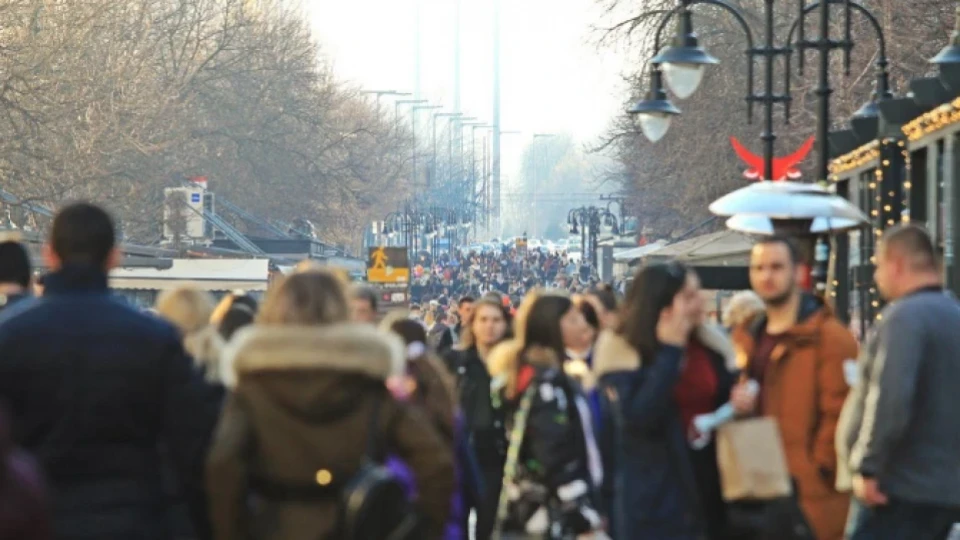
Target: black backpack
x,y
373,502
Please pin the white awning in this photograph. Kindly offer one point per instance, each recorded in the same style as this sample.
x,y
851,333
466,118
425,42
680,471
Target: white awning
x,y
638,252
204,274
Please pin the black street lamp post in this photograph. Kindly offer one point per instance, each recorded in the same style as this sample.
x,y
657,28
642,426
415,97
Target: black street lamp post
x,y
587,221
682,65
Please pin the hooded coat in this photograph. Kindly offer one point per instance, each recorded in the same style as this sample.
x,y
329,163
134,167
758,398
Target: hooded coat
x,y
304,401
655,484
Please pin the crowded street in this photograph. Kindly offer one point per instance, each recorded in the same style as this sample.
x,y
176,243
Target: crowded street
x,y
278,270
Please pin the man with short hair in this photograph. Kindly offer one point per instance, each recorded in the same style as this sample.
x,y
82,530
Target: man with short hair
x,y
796,349
364,305
899,432
15,273
464,313
96,388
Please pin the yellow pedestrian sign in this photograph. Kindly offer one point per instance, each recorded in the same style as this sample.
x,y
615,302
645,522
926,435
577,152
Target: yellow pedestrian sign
x,y
388,265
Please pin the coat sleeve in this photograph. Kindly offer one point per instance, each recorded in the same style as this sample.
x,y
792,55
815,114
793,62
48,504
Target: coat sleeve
x,y
646,408
838,348
189,415
228,472
891,381
548,439
421,447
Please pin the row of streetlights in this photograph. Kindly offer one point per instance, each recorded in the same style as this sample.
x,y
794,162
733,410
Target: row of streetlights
x,y
683,63
588,221
413,223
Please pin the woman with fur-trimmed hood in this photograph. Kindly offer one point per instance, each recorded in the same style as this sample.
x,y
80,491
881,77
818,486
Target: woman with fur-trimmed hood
x,y
552,490
189,309
663,368
309,386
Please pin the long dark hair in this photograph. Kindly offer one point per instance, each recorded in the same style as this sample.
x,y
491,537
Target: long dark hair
x,y
542,324
653,289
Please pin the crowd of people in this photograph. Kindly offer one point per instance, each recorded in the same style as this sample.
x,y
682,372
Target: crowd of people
x,y
546,415
511,271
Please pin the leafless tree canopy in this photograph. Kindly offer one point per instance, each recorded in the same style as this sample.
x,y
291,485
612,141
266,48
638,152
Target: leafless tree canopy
x,y
113,101
674,180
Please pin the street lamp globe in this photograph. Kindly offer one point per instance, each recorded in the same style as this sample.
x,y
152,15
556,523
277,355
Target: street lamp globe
x,y
683,79
656,111
683,62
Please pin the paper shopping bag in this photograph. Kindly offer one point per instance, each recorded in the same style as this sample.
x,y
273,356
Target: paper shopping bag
x,y
751,460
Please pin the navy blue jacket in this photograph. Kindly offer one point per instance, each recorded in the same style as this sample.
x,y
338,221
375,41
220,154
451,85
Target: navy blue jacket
x,y
666,491
95,389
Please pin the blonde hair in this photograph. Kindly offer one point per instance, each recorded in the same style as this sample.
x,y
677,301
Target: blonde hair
x,y
317,297
188,308
743,306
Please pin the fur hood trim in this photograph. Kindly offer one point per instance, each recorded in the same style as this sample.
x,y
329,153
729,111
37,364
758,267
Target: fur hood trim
x,y
345,348
612,353
206,347
717,341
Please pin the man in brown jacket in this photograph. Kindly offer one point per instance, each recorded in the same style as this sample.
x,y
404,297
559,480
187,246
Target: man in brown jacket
x,y
796,350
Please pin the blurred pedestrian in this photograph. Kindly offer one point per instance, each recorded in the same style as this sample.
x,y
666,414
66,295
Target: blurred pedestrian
x,y
189,309
15,274
663,368
235,311
796,350
552,486
743,306
488,325
24,501
96,387
364,304
899,434
309,384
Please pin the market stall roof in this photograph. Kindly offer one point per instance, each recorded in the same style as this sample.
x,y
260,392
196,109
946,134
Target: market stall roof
x,y
205,274
708,247
639,252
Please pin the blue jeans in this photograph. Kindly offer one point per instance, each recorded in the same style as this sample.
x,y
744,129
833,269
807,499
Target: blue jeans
x,y
900,520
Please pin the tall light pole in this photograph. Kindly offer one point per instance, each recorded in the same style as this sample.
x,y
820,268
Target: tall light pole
x,y
381,93
495,118
452,128
473,161
434,141
413,122
396,109
540,170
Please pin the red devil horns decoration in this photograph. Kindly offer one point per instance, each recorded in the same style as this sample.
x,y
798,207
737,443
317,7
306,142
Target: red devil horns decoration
x,y
783,167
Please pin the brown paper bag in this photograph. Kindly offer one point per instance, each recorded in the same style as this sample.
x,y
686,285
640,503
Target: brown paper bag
x,y
751,460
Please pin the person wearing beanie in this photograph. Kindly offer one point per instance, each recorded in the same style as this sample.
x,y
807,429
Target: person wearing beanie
x,y
15,273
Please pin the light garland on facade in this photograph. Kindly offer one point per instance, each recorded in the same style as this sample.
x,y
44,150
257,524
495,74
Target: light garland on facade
x,y
856,159
933,121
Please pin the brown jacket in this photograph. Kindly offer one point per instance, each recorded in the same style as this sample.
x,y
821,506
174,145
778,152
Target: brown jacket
x,y
303,403
804,389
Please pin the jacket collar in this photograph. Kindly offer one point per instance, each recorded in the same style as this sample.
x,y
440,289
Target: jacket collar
x,y
75,279
612,353
810,312
344,348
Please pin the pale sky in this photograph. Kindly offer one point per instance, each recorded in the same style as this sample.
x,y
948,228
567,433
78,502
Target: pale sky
x,y
553,78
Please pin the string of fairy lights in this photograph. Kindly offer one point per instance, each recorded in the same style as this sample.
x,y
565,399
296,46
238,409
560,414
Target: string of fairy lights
x,y
880,155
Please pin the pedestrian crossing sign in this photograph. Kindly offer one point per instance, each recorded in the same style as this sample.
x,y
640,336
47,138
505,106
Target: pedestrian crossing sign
x,y
388,265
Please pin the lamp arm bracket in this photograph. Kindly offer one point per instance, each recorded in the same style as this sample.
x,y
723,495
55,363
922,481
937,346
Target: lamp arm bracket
x,y
871,18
